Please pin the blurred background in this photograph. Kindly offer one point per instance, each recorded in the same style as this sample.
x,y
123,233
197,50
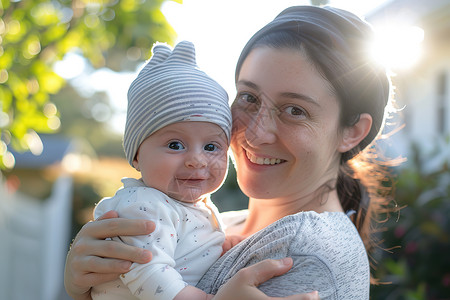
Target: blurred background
x,y
65,67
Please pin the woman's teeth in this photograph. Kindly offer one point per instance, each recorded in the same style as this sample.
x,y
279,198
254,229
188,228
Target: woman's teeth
x,y
262,160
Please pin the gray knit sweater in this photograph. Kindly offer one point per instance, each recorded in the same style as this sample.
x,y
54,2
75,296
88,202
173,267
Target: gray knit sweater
x,y
327,250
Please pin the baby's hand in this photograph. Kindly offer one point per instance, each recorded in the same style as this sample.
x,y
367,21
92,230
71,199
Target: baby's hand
x,y
230,242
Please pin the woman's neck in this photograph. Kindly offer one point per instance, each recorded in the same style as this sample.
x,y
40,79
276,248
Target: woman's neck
x,y
263,212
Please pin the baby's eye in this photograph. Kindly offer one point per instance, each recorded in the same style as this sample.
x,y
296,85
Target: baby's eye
x,y
248,98
210,147
176,145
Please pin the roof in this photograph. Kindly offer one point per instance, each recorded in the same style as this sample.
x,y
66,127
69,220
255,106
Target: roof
x,y
55,147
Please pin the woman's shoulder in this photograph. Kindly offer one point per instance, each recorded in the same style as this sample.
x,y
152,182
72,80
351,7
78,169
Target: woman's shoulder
x,y
304,222
329,220
302,233
329,237
315,232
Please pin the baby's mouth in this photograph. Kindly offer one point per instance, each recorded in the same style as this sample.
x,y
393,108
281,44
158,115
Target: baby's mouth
x,y
193,180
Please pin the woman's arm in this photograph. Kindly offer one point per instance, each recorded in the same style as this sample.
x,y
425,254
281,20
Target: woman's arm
x,y
243,285
92,260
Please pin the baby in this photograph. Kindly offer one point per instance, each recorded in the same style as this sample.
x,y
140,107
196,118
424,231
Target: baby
x,y
177,135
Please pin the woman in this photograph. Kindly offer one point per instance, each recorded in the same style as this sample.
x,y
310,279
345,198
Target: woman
x,y
309,99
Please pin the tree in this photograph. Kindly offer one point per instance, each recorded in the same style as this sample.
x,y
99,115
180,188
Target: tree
x,y
34,34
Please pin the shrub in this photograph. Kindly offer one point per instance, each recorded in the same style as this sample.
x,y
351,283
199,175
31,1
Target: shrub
x,y
418,264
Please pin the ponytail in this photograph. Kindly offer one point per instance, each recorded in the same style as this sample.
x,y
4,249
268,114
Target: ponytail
x,y
355,201
365,189
353,196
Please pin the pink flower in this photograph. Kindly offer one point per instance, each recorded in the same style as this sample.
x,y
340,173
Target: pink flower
x,y
411,247
399,231
446,280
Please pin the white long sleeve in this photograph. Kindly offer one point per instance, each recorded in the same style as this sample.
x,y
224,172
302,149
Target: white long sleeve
x,y
186,241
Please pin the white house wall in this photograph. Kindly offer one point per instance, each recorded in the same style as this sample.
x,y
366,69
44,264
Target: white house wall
x,y
417,88
422,101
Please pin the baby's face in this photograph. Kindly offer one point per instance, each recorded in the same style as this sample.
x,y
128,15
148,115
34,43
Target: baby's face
x,y
184,160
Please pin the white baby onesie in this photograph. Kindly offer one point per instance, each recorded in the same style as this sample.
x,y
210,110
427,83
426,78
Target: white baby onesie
x,y
187,240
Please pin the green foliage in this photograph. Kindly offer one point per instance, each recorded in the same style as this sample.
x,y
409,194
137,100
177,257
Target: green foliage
x,y
34,34
420,267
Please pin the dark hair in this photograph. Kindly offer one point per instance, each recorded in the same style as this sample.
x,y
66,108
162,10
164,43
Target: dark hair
x,y
337,43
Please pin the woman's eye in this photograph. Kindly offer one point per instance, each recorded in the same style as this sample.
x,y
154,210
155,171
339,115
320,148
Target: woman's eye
x,y
176,146
295,111
210,147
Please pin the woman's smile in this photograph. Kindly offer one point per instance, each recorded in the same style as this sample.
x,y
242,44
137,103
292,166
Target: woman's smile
x,y
261,160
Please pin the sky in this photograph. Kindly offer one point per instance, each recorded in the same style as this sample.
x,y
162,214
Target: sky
x,y
219,30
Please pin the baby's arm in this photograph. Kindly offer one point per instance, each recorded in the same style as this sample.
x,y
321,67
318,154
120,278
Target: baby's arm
x,y
192,293
230,242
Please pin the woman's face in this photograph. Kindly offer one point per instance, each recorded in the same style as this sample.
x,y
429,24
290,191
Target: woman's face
x,y
285,126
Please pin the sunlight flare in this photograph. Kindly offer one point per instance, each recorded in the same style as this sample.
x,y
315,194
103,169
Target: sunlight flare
x,y
398,46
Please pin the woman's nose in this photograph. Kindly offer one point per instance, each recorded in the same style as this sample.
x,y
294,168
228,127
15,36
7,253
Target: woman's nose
x,y
261,128
196,160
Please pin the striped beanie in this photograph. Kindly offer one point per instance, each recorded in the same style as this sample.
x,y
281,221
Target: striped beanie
x,y
170,89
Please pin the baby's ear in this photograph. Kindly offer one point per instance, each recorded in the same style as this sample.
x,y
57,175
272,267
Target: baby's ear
x,y
353,135
136,163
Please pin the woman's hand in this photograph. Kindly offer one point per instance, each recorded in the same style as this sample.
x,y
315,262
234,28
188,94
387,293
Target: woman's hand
x,y
243,285
92,260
